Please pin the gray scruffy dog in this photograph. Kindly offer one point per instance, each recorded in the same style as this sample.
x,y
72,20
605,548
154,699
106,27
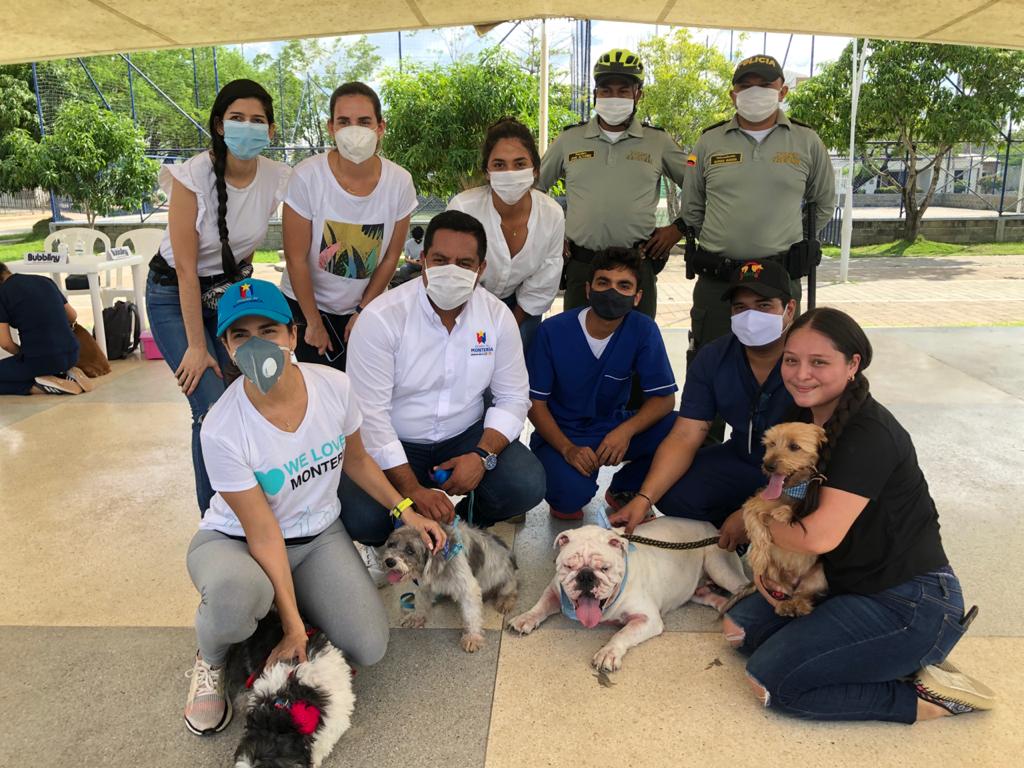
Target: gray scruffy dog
x,y
474,566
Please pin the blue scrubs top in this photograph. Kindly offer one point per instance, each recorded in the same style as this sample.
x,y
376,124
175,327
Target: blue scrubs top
x,y
586,394
719,382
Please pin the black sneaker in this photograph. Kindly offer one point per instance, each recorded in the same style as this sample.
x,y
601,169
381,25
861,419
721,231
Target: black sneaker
x,y
948,687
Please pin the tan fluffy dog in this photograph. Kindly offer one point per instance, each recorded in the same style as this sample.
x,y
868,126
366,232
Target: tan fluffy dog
x,y
790,459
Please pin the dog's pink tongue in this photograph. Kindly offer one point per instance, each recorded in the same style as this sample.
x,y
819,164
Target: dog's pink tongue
x,y
588,611
774,488
394,577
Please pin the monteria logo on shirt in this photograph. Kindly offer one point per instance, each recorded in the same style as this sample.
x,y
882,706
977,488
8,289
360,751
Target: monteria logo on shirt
x,y
481,347
304,467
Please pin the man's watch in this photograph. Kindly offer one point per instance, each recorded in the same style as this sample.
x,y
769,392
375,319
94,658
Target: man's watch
x,y
490,460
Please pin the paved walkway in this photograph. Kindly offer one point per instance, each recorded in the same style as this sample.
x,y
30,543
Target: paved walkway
x,y
894,292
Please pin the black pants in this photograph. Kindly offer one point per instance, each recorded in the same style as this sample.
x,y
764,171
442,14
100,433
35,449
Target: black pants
x,y
335,325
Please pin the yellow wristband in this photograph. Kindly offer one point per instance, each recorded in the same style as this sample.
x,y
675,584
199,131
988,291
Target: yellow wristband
x,y
400,507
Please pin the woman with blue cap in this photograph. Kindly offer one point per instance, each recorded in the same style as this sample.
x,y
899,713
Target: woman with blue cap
x,y
220,204
275,445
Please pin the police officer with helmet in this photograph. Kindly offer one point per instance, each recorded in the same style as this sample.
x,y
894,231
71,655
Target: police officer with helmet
x,y
758,186
612,165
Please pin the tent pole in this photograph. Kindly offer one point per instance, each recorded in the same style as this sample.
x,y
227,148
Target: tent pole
x,y
847,231
543,118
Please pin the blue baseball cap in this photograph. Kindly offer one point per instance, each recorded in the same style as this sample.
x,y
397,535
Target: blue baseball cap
x,y
251,297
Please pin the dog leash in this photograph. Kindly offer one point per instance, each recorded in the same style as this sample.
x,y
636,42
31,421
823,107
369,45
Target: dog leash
x,y
671,544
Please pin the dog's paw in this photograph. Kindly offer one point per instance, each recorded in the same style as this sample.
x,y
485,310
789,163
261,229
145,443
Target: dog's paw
x,y
414,621
505,603
707,596
794,607
472,642
608,658
524,623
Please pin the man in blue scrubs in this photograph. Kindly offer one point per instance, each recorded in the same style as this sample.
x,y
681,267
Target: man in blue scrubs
x,y
581,364
737,377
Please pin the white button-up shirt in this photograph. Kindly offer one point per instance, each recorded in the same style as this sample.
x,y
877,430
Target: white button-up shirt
x,y
533,273
418,383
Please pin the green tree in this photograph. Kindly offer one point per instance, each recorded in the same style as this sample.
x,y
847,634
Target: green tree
x,y
17,103
95,157
926,98
437,116
686,90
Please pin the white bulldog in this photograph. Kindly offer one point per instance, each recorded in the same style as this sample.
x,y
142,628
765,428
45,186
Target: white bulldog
x,y
601,577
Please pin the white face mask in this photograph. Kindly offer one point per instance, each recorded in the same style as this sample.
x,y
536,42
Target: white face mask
x,y
756,329
450,286
615,111
356,143
510,186
757,103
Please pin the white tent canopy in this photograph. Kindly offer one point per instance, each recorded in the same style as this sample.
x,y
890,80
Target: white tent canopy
x,y
48,29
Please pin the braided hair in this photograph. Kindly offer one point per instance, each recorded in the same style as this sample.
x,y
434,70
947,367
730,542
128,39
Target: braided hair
x,y
849,339
230,93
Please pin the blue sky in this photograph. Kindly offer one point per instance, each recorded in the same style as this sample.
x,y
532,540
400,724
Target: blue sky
x,y
430,45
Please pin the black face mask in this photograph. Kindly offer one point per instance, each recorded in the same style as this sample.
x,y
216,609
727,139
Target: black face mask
x,y
609,304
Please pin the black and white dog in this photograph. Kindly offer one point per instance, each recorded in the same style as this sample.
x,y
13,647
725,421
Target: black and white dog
x,y
294,713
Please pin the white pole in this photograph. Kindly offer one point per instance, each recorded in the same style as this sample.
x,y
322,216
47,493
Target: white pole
x,y
847,231
543,119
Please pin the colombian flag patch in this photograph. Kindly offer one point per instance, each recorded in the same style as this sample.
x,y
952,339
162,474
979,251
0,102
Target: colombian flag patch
x,y
691,160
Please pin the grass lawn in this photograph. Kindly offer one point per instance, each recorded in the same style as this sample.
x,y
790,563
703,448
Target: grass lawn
x,y
922,247
15,247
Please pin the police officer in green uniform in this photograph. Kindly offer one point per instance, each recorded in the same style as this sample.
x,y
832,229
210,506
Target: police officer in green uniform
x,y
746,180
612,166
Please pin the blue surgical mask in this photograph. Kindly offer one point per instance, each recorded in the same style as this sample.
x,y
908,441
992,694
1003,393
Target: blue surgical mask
x,y
246,140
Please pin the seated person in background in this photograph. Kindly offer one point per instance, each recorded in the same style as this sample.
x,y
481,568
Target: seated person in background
x,y
44,361
581,366
736,377
413,258
420,361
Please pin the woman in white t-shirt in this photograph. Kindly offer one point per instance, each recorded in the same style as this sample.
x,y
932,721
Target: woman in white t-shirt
x,y
525,228
345,217
275,445
220,204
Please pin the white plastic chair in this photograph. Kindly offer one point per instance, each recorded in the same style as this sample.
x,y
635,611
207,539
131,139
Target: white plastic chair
x,y
92,242
145,242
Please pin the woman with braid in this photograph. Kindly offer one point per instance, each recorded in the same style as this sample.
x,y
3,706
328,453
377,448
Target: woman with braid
x,y
875,647
221,201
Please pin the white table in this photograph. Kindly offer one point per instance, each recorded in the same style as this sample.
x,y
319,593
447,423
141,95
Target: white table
x,y
92,267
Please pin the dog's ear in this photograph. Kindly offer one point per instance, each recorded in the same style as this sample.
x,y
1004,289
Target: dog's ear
x,y
561,540
618,542
820,433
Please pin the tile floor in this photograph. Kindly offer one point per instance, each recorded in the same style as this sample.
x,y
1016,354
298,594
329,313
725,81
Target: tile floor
x,y
96,510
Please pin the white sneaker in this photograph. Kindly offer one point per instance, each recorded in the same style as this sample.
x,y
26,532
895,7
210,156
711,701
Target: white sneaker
x,y
372,562
207,710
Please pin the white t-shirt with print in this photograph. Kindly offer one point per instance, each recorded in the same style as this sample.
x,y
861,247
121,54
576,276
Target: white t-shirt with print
x,y
350,233
298,471
249,208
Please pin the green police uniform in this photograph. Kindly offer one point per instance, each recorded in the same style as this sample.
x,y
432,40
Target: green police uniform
x,y
744,197
612,191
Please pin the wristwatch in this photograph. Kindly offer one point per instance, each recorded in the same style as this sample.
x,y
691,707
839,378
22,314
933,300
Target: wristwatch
x,y
490,460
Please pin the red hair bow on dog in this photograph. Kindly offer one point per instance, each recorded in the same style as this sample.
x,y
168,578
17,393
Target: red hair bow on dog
x,y
305,716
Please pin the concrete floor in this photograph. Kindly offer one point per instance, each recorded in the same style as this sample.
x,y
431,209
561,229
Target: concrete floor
x,y
95,625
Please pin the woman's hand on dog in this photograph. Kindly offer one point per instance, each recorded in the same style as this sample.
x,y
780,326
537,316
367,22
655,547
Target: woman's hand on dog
x,y
631,514
733,532
433,535
292,648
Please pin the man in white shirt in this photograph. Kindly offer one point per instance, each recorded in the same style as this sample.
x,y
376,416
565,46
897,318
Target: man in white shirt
x,y
421,359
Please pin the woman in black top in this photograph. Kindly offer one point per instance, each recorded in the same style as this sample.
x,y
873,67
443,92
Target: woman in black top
x,y
872,649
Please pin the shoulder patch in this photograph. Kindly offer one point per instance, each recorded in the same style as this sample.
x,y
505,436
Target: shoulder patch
x,y
715,125
654,127
801,123
575,125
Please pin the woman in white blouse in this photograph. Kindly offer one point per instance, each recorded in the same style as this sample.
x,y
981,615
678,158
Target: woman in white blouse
x,y
525,228
220,204
345,218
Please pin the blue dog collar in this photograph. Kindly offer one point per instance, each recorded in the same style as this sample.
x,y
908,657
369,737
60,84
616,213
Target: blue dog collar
x,y
570,612
451,550
797,491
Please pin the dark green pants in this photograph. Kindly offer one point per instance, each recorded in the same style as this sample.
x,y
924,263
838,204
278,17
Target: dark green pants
x,y
577,275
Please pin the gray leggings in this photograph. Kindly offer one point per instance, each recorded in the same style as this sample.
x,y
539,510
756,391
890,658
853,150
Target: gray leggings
x,y
332,586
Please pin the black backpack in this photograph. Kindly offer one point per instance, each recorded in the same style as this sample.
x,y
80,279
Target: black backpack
x,y
122,328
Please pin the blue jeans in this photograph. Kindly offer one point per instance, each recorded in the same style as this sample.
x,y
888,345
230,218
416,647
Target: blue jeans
x,y
845,660
513,487
163,306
